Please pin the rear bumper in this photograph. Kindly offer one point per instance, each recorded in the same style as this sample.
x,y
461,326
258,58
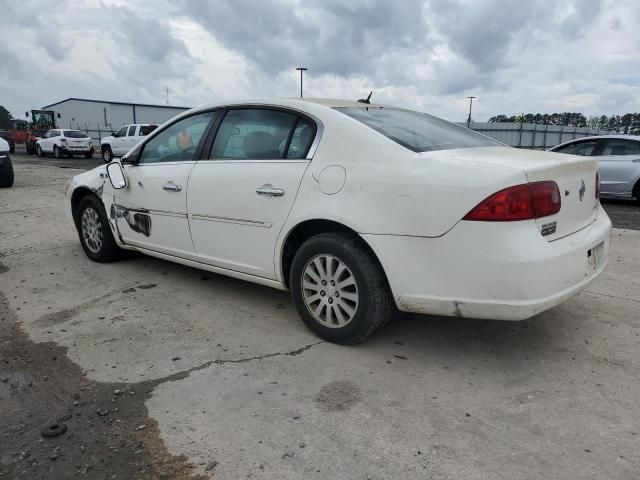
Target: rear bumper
x,y
501,271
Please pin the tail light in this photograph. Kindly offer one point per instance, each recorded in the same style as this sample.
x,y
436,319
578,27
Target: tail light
x,y
597,185
520,202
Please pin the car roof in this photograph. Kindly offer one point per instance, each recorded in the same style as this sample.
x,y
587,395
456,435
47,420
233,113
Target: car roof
x,y
294,103
635,138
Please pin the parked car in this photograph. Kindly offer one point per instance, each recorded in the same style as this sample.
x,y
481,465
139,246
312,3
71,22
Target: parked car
x,y
120,142
61,142
6,168
6,136
355,208
618,160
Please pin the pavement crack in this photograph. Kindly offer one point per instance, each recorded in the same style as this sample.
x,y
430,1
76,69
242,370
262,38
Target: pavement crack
x,y
291,353
612,296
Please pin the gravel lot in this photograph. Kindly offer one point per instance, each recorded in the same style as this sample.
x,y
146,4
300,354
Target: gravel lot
x,y
164,371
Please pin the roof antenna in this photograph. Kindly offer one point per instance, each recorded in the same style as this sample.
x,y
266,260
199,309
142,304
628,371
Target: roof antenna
x,y
366,100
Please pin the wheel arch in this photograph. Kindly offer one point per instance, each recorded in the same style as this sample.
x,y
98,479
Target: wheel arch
x,y
76,197
309,228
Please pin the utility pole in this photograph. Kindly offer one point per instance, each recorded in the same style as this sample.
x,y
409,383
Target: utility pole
x,y
302,70
470,105
167,90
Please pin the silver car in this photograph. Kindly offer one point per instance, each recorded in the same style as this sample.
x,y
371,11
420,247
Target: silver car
x,y
619,162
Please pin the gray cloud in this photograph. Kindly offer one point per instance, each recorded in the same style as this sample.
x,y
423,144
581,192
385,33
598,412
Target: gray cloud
x,y
336,37
515,56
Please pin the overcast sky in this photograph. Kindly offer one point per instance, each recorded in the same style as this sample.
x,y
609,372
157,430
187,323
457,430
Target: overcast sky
x,y
515,56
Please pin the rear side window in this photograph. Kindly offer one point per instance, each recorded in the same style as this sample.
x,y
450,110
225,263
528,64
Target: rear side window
x,y
617,146
301,139
258,134
584,149
146,129
417,131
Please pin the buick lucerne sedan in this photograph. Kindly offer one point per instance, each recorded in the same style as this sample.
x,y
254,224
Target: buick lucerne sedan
x,y
357,209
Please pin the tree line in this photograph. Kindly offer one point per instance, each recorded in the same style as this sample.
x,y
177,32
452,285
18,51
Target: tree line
x,y
628,123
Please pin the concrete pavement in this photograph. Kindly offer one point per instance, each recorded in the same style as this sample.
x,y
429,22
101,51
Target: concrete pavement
x,y
242,389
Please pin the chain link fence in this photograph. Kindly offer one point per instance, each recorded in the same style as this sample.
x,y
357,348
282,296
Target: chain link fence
x,y
532,135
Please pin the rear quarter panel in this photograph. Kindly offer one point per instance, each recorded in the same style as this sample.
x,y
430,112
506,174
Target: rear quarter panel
x,y
388,189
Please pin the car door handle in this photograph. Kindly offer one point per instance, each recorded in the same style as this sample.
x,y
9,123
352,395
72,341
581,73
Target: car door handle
x,y
172,187
270,190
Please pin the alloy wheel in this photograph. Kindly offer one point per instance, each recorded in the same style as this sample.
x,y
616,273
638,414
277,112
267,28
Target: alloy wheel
x,y
330,291
91,229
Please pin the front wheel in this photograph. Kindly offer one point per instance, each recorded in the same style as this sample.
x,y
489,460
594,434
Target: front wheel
x,y
107,154
94,231
39,151
339,289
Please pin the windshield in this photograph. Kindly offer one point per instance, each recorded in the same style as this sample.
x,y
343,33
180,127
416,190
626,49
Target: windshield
x,y
75,134
417,131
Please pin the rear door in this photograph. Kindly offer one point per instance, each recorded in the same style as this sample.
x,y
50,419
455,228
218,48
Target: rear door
x,y
241,193
617,168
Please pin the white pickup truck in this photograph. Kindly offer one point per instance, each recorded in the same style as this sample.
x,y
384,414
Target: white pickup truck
x,y
127,137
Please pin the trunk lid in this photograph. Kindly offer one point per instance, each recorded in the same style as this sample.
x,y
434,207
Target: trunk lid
x,y
575,176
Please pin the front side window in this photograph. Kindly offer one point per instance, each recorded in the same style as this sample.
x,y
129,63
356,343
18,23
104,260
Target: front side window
x,y
132,131
620,146
122,132
417,131
177,142
256,134
584,149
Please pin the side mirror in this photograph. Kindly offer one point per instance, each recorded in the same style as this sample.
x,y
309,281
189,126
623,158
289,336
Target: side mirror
x,y
113,134
131,159
116,175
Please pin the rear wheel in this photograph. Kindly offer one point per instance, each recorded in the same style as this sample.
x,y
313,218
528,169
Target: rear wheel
x,y
107,154
94,231
39,151
56,152
6,175
339,289
88,155
636,192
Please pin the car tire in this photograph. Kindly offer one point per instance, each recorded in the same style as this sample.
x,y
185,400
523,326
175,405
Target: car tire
x,y
107,154
56,152
636,192
39,151
6,175
88,155
339,288
95,234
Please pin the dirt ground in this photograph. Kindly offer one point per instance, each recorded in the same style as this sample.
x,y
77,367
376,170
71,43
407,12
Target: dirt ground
x,y
163,371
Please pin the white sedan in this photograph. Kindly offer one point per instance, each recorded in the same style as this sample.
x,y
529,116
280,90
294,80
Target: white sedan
x,y
356,208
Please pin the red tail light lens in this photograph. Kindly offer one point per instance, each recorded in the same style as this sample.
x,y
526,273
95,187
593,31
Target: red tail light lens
x,y
597,185
520,202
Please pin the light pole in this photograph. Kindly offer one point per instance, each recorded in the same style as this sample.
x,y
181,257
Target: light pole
x,y
302,69
470,105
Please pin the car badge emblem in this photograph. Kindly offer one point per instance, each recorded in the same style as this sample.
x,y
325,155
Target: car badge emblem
x,y
583,188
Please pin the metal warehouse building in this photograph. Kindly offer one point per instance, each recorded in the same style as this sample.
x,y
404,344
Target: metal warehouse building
x,y
98,118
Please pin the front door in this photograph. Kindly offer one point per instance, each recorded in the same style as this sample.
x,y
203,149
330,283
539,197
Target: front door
x,y
118,143
240,196
151,212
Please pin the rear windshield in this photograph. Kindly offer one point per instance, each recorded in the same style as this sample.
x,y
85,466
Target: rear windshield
x,y
147,129
417,131
75,134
